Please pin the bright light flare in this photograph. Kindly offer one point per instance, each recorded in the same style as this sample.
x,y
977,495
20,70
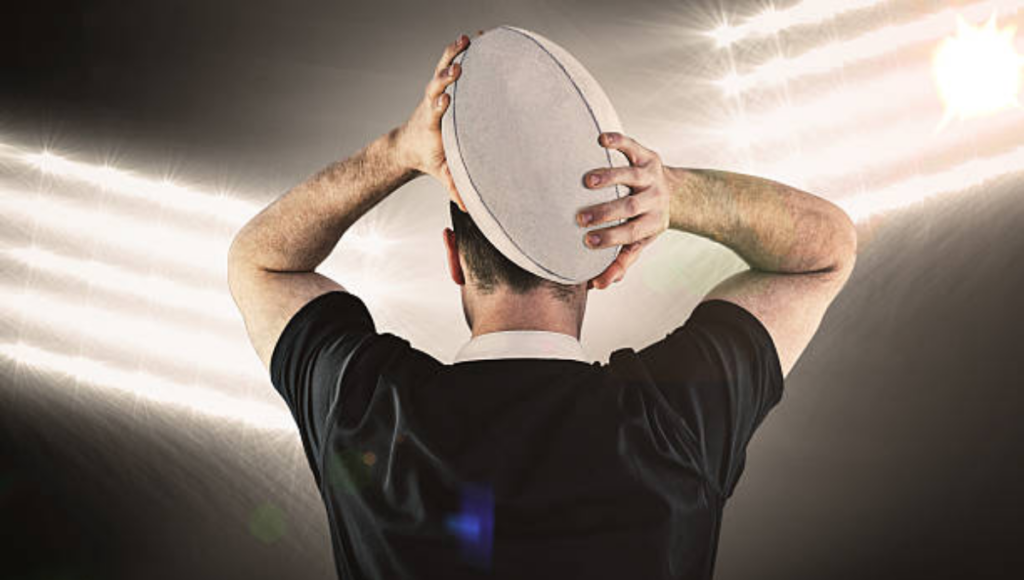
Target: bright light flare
x,y
835,55
116,230
725,35
921,187
154,288
773,20
977,71
899,142
853,105
164,192
104,377
160,339
158,242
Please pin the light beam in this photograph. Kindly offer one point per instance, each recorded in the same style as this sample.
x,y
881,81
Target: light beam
x,y
852,106
773,20
836,55
921,187
165,193
161,340
159,290
190,397
154,240
899,142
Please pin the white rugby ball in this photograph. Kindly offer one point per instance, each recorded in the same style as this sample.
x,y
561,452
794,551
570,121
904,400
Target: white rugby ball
x,y
520,132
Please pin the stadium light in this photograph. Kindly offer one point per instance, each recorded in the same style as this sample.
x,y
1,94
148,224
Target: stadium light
x,y
104,377
773,20
200,347
835,55
157,289
164,192
921,187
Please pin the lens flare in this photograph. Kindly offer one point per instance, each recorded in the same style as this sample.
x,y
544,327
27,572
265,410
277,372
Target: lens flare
x,y
977,71
833,56
773,19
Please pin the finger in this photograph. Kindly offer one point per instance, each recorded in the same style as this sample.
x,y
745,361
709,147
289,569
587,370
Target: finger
x,y
633,230
635,152
608,277
450,51
441,104
622,208
630,252
632,176
616,271
604,280
441,80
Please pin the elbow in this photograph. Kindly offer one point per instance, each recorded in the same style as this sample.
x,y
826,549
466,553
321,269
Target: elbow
x,y
241,252
235,250
235,256
239,260
846,243
233,264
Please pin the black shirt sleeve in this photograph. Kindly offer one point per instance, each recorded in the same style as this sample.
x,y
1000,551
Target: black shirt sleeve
x,y
720,373
314,361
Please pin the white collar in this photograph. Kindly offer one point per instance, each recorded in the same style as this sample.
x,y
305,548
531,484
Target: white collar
x,y
521,344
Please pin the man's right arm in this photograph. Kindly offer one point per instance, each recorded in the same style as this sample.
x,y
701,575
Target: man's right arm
x,y
800,248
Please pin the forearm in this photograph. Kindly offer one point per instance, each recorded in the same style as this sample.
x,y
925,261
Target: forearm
x,y
772,226
299,230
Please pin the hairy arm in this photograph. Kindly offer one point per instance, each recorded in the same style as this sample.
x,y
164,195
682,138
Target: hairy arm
x,y
801,248
299,230
772,226
273,258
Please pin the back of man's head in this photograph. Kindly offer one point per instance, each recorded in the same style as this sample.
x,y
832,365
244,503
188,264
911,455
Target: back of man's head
x,y
490,269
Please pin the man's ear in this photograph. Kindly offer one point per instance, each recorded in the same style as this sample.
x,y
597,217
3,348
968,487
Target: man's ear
x,y
452,249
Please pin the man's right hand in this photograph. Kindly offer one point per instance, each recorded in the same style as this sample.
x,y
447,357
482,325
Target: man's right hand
x,y
646,208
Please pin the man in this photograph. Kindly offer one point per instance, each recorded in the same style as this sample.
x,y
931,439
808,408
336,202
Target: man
x,y
522,459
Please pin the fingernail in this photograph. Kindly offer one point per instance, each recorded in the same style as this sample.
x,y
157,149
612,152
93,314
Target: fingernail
x,y
593,239
451,69
595,179
440,100
608,138
585,218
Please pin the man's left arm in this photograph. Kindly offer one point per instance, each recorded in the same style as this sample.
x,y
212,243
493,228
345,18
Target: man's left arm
x,y
273,258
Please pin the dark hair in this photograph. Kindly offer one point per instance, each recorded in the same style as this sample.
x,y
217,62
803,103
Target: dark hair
x,y
491,268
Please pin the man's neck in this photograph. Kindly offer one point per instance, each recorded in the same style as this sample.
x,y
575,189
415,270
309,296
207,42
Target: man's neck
x,y
480,328
507,311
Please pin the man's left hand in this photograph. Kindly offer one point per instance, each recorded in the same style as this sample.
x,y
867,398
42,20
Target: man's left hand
x,y
420,136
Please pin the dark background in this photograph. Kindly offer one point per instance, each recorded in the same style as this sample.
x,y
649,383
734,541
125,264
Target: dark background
x,y
896,452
